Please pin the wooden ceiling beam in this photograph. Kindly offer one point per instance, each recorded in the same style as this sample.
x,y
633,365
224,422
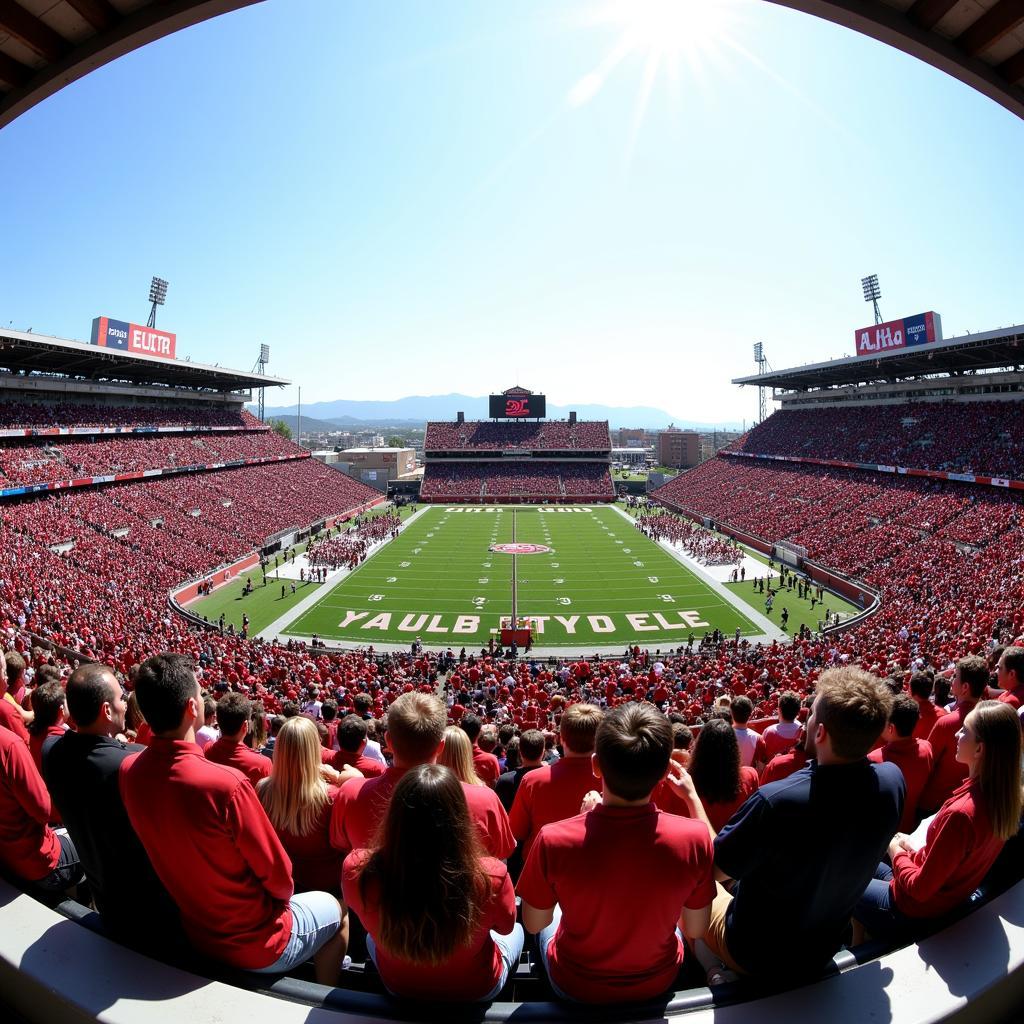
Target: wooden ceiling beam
x,y
35,34
992,26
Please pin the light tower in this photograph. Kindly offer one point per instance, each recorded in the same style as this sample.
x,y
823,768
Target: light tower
x,y
762,367
872,293
261,369
158,296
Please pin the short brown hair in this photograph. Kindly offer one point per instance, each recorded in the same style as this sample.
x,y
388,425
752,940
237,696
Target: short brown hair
x,y
905,715
531,744
15,665
416,724
633,746
233,711
854,707
579,726
974,674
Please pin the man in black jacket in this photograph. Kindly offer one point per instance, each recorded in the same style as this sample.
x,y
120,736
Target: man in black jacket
x,y
81,772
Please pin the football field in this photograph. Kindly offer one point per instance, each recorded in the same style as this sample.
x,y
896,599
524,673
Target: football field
x,y
594,581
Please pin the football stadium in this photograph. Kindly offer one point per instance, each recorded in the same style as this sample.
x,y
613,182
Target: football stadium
x,y
513,743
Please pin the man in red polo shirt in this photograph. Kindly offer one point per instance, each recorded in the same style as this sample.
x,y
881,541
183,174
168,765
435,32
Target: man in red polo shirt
x,y
556,791
781,736
969,685
913,757
607,932
351,737
1010,675
234,716
212,845
485,764
416,724
921,687
10,714
29,848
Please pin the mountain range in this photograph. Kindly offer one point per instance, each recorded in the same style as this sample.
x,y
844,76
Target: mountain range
x,y
417,409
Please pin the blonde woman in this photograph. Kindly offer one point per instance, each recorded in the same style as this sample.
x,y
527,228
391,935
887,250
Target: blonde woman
x,y
457,754
298,802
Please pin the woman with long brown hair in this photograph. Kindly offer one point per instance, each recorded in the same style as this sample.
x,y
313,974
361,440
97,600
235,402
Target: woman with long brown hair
x,y
722,783
298,803
963,839
440,915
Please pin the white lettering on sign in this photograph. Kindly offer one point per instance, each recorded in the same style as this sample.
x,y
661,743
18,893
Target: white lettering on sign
x,y
692,619
382,621
412,623
151,341
664,623
435,625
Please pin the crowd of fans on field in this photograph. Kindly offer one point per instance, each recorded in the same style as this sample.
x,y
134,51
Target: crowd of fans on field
x,y
697,541
348,546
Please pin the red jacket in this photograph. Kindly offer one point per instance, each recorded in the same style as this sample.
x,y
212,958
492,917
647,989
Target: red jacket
x,y
913,758
28,846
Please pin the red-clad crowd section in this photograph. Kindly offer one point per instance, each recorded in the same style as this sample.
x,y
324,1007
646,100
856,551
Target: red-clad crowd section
x,y
554,481
67,415
980,438
547,435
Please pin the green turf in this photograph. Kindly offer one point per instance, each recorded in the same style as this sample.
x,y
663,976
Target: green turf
x,y
439,581
263,605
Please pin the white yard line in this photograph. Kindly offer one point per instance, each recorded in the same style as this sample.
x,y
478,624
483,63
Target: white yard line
x,y
771,631
280,625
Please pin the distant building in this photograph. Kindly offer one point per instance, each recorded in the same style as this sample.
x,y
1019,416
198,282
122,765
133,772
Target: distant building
x,y
630,437
377,466
678,448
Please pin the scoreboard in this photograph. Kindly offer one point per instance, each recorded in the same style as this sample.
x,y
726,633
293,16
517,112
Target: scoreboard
x,y
518,406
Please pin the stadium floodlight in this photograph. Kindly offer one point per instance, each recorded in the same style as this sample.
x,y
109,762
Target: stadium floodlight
x,y
872,293
758,351
264,353
157,296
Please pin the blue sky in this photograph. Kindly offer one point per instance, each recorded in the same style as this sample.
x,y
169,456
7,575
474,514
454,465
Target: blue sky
x,y
417,198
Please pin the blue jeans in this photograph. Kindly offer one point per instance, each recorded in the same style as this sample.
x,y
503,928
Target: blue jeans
x,y
510,947
877,911
316,918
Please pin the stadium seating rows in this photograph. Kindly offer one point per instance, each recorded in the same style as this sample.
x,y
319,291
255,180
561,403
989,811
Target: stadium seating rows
x,y
544,480
982,438
37,415
550,435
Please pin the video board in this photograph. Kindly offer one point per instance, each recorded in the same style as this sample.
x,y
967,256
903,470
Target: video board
x,y
518,407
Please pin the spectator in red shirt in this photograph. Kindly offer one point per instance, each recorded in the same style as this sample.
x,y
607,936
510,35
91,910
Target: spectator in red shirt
x,y
722,783
964,838
607,934
416,723
912,757
780,737
351,734
298,803
11,716
1010,674
48,722
921,686
666,796
556,791
969,685
752,748
234,715
212,845
29,848
440,914
781,766
485,764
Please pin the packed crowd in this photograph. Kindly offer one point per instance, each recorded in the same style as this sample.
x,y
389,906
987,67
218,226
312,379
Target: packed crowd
x,y
542,480
66,459
547,435
347,546
37,415
697,541
983,438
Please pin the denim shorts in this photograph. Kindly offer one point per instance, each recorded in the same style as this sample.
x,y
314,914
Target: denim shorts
x,y
316,919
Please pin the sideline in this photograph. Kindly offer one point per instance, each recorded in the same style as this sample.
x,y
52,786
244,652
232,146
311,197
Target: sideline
x,y
280,625
771,630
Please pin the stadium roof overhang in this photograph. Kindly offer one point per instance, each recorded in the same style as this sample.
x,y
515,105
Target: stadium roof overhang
x,y
966,354
23,352
47,44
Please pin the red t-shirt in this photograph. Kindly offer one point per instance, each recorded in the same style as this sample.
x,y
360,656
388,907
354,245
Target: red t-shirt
x,y
254,766
1012,697
316,865
947,773
37,739
471,972
930,714
959,849
10,718
719,813
781,766
29,848
779,738
551,793
213,847
486,766
341,759
622,876
362,803
914,759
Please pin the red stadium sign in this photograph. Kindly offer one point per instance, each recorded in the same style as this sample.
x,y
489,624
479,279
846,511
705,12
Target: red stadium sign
x,y
143,341
922,329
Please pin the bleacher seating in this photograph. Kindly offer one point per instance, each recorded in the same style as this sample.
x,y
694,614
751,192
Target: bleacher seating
x,y
547,435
